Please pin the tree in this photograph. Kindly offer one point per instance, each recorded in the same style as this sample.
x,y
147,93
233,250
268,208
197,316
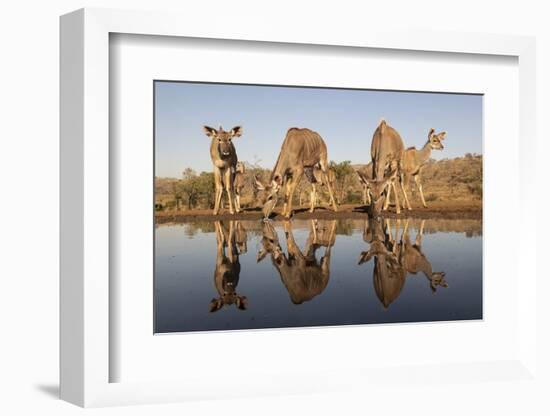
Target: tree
x,y
189,187
345,177
177,193
205,187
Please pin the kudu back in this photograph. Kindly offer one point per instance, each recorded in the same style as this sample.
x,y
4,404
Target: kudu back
x,y
302,150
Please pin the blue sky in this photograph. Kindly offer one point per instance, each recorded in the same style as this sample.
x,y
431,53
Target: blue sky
x,y
346,119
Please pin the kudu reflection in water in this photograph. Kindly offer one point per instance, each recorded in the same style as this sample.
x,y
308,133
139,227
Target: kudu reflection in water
x,y
302,274
414,260
388,276
394,259
228,267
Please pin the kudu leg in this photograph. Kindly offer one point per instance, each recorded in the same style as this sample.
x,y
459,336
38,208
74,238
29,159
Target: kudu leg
x,y
397,205
404,190
229,189
324,168
366,195
237,202
287,193
419,186
420,233
332,200
388,230
313,198
296,177
219,190
388,194
391,186
292,247
231,248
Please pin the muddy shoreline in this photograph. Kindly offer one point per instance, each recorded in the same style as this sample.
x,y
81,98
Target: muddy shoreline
x,y
345,212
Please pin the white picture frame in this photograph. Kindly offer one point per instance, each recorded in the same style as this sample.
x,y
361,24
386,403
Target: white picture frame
x,y
85,212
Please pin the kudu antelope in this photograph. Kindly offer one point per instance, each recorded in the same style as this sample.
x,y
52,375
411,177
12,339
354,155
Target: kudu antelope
x,y
414,260
387,151
228,269
394,258
301,273
388,275
414,160
224,160
301,151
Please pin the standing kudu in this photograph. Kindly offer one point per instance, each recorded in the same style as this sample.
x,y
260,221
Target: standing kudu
x,y
228,269
301,273
414,160
387,151
224,159
301,152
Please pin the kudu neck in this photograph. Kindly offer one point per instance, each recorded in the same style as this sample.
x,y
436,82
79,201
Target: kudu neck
x,y
425,153
281,166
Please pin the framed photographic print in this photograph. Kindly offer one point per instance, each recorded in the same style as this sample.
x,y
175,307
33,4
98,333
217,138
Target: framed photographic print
x,y
220,201
314,202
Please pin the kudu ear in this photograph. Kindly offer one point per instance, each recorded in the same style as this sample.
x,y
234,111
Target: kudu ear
x,y
431,132
361,176
442,135
276,182
236,131
258,185
364,257
215,305
261,255
209,131
382,125
242,302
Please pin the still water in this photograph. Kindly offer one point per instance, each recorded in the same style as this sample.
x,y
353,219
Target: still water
x,y
252,274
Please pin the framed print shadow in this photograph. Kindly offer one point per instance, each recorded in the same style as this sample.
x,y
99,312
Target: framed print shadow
x,y
291,206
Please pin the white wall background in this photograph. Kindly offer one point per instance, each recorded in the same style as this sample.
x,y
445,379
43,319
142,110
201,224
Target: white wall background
x,y
29,57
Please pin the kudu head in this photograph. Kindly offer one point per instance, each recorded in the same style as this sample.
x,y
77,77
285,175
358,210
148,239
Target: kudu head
x,y
228,296
438,279
222,139
239,168
375,235
436,140
376,188
270,243
270,194
227,290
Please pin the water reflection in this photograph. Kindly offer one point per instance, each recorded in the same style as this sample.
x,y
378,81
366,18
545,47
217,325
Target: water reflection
x,y
277,274
228,267
303,276
395,257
